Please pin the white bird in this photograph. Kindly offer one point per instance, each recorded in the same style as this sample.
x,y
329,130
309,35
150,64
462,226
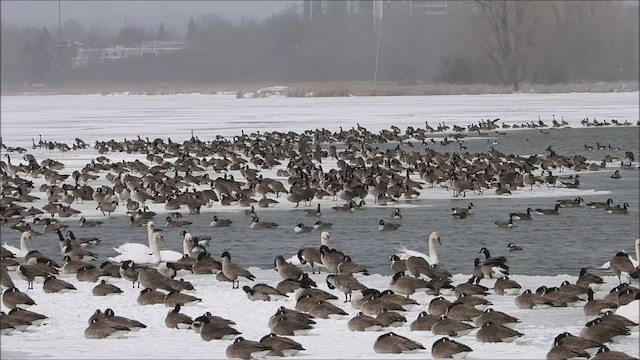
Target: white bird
x,y
23,250
138,248
635,262
432,258
143,258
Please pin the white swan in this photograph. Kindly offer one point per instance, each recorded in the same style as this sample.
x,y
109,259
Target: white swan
x,y
137,247
635,262
143,258
23,250
325,239
432,258
631,311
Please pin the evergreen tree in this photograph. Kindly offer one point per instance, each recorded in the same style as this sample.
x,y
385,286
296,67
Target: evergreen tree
x,y
191,31
162,34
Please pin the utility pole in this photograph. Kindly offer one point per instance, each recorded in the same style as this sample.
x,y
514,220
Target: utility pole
x,y
376,61
59,23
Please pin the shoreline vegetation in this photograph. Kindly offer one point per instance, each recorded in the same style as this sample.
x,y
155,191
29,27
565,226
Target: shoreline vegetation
x,y
317,89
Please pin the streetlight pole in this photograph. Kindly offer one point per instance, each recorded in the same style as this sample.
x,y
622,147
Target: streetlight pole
x,y
376,61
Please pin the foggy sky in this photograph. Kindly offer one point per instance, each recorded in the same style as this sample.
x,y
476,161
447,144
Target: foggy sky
x,y
112,14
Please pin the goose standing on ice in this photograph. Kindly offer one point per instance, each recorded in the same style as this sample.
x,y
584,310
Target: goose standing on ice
x,y
432,258
311,255
634,262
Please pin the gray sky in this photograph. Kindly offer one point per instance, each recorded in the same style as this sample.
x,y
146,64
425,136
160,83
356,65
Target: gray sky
x,y
112,14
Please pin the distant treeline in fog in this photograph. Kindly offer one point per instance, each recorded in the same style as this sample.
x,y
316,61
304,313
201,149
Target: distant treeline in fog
x,y
489,42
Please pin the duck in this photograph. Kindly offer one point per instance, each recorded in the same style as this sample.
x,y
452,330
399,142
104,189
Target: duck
x,y
514,247
432,258
25,238
387,226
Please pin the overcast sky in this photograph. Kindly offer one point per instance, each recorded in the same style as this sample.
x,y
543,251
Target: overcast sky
x,y
112,14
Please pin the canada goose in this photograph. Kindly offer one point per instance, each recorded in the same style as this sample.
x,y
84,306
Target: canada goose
x,y
450,327
404,302
103,329
176,320
217,222
521,216
600,205
496,317
594,307
587,279
576,341
53,285
562,352
616,175
14,298
207,265
104,289
432,258
478,302
286,327
5,279
504,224
445,348
331,258
257,224
506,286
424,322
233,271
373,303
514,247
573,289
89,223
213,331
391,318
397,265
468,210
553,211
176,223
362,322
29,316
282,346
462,312
528,300
174,298
90,274
351,268
605,354
315,212
392,343
321,225
311,255
129,272
471,287
438,306
150,297
344,283
302,228
292,315
288,286
490,332
558,296
15,322
325,310
386,226
35,269
264,292
609,317
246,349
570,203
407,285
286,270
110,316
602,332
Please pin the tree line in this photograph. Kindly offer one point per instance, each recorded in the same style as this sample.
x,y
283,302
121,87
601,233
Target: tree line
x,y
494,42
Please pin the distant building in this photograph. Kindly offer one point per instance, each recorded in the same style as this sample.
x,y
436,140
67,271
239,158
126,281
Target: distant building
x,y
379,9
146,49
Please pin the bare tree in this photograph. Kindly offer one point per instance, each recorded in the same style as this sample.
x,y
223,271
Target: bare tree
x,y
506,19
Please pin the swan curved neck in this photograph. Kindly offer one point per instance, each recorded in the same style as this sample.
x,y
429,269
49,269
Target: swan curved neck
x,y
638,250
155,252
186,250
23,245
433,255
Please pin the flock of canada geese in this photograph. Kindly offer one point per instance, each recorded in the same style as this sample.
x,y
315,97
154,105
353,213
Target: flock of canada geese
x,y
37,194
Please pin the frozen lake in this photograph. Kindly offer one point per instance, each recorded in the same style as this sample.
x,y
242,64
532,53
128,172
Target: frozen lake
x,y
555,248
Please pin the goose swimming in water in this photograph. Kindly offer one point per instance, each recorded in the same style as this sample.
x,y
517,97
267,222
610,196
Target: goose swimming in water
x,y
432,258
